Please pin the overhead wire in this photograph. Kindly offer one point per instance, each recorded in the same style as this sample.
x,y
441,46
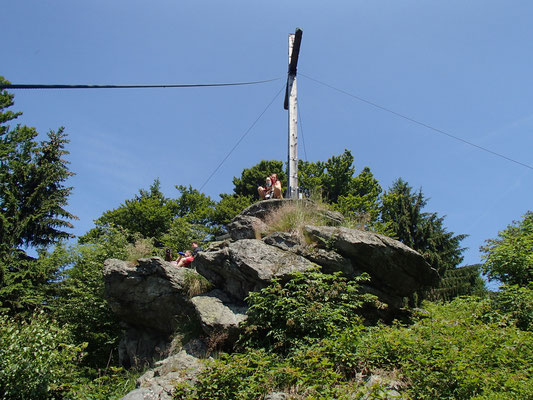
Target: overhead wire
x,y
416,121
242,138
55,86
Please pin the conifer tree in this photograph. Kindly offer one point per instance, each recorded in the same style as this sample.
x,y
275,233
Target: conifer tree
x,y
33,200
402,209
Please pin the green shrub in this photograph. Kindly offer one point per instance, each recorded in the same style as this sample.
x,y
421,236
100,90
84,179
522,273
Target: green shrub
x,y
455,358
115,383
310,306
255,374
516,303
237,376
37,359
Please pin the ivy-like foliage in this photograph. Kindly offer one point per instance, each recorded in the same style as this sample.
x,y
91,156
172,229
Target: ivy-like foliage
x,y
309,306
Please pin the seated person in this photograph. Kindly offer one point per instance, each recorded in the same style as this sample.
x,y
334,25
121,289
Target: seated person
x,y
195,248
272,188
184,260
276,185
265,192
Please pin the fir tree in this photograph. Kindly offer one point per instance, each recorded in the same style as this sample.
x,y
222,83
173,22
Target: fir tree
x,y
422,231
33,200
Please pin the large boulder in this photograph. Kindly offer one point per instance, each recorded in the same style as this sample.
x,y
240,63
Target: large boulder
x,y
246,227
395,269
247,265
329,260
152,301
219,314
139,346
151,294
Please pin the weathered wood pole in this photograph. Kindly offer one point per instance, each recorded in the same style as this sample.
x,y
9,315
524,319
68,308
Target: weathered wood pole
x,y
291,104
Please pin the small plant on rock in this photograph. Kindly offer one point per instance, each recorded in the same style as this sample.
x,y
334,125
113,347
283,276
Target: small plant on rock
x,y
293,216
196,284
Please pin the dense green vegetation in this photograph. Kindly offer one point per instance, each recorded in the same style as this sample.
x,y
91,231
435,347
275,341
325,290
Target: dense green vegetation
x,y
306,337
510,257
469,348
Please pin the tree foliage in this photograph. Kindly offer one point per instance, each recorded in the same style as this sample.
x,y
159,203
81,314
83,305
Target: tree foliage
x,y
509,258
402,210
149,213
331,179
28,283
33,200
455,282
33,194
81,303
229,206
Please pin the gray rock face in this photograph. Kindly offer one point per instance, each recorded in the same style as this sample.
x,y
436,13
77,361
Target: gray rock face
x,y
329,260
218,313
152,294
246,227
152,301
262,209
140,345
395,268
247,265
159,383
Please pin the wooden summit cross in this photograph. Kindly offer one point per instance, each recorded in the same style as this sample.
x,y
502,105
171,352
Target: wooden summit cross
x,y
291,105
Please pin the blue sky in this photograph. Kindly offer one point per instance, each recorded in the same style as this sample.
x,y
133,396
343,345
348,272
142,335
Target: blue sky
x,y
463,67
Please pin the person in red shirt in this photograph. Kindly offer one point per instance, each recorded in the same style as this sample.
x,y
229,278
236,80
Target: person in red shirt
x,y
184,260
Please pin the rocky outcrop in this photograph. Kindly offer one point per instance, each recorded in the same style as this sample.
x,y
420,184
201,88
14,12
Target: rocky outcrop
x,y
394,268
153,301
219,314
329,260
252,222
154,298
152,293
159,383
247,265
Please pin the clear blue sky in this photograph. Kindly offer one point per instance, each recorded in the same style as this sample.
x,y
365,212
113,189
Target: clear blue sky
x,y
463,67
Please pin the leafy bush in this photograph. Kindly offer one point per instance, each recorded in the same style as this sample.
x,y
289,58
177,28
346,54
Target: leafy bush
x,y
319,350
37,359
114,384
510,257
255,374
310,306
452,355
516,304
